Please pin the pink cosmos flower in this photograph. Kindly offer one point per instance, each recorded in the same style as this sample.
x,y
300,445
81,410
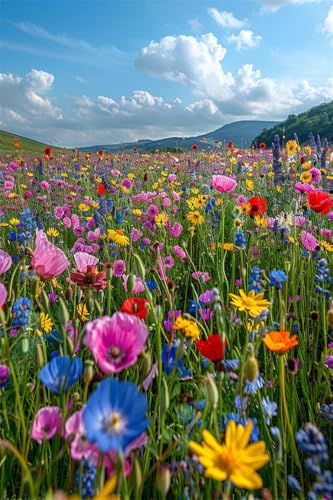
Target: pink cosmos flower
x,y
199,275
316,175
309,242
152,211
83,260
119,268
58,212
172,177
46,424
94,235
241,199
300,220
5,261
116,341
45,185
223,184
3,294
47,260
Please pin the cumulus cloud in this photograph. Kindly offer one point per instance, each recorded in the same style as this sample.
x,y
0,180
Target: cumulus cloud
x,y
275,5
328,23
225,19
245,39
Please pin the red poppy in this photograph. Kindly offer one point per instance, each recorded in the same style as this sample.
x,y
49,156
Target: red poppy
x,y
262,145
194,147
230,145
320,201
137,306
303,158
48,151
258,206
212,348
145,177
101,190
135,149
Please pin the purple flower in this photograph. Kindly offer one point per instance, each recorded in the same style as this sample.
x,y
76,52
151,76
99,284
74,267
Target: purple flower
x,y
329,362
3,295
4,375
206,297
46,424
116,341
5,261
119,268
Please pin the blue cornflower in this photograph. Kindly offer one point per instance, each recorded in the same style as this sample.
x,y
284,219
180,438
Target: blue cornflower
x,y
293,484
53,337
21,311
115,415
241,404
60,373
277,278
312,442
231,364
322,272
255,279
324,485
270,409
151,285
327,412
252,387
169,356
240,240
85,479
276,435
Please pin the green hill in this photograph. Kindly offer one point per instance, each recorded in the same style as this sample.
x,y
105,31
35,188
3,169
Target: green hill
x,y
7,141
318,120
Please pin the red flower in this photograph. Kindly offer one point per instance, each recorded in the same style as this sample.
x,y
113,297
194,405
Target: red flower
x,y
258,206
135,149
303,159
194,147
320,201
230,145
91,278
137,306
100,152
48,151
101,190
212,348
145,177
262,145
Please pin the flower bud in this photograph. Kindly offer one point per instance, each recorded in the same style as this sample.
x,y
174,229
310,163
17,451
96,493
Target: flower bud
x,y
136,475
130,285
146,364
212,392
164,396
40,356
329,318
163,479
139,267
251,369
88,373
24,345
69,294
62,313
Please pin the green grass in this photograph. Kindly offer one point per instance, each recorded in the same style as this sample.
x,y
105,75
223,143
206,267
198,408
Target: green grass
x,y
7,141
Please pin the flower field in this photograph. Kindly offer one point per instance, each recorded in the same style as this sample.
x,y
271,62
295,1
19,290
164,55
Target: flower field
x,y
166,324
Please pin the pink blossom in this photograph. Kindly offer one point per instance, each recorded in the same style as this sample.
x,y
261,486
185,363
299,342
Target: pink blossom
x,y
3,294
138,285
300,221
94,235
47,260
58,212
176,230
316,175
303,188
179,252
223,184
78,231
83,260
116,341
327,233
67,222
80,447
119,268
135,234
175,196
202,276
5,261
172,177
9,185
309,242
46,424
166,202
241,199
45,185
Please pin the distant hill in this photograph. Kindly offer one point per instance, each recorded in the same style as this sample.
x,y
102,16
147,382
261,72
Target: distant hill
x,y
241,133
318,120
7,141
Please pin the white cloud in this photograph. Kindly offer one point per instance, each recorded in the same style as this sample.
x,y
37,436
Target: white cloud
x,y
225,19
191,61
245,39
195,24
275,5
328,23
80,79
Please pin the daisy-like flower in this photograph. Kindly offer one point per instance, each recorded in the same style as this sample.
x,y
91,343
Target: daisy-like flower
x,y
188,327
280,341
118,237
52,232
326,245
161,219
253,303
46,322
195,217
82,312
234,459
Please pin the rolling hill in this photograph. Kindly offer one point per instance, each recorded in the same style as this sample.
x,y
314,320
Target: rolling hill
x,y
241,133
7,141
318,120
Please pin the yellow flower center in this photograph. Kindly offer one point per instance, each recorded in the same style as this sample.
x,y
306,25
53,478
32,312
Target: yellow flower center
x,y
228,460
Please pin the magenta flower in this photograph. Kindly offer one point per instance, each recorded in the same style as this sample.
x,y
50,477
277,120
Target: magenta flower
x,y
47,260
329,362
75,432
119,268
116,341
176,230
179,252
83,260
138,285
309,242
223,184
5,261
46,424
3,294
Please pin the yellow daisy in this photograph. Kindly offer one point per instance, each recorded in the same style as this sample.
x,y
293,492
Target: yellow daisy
x,y
252,303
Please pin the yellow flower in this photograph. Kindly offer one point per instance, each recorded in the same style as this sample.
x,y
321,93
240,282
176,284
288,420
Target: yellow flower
x,y
118,237
306,165
326,245
14,222
130,176
12,195
201,201
191,203
249,185
125,189
291,239
46,322
94,204
188,327
228,246
307,150
137,212
195,217
234,459
82,312
238,222
252,303
155,185
306,177
63,174
83,207
72,193
292,147
195,190
52,232
261,221
278,188
30,174
233,161
161,219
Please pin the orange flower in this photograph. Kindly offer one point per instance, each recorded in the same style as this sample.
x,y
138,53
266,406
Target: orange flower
x,y
280,342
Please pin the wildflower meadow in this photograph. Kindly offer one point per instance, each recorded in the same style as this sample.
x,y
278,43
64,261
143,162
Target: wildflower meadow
x,y
166,323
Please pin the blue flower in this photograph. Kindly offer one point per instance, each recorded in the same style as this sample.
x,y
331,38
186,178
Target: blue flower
x,y
240,240
60,373
255,434
21,311
312,442
252,387
115,415
255,279
169,356
270,409
277,278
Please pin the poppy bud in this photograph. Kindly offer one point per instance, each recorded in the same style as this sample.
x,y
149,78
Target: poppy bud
x,y
69,293
136,476
25,345
212,392
251,369
164,397
146,364
88,372
163,479
40,356
62,313
130,285
139,267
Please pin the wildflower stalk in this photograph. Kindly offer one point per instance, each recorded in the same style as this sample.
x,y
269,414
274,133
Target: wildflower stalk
x,y
28,478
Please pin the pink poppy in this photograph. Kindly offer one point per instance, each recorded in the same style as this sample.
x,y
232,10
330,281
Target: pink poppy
x,y
223,184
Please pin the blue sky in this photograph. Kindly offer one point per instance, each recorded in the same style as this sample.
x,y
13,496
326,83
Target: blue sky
x,y
97,71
